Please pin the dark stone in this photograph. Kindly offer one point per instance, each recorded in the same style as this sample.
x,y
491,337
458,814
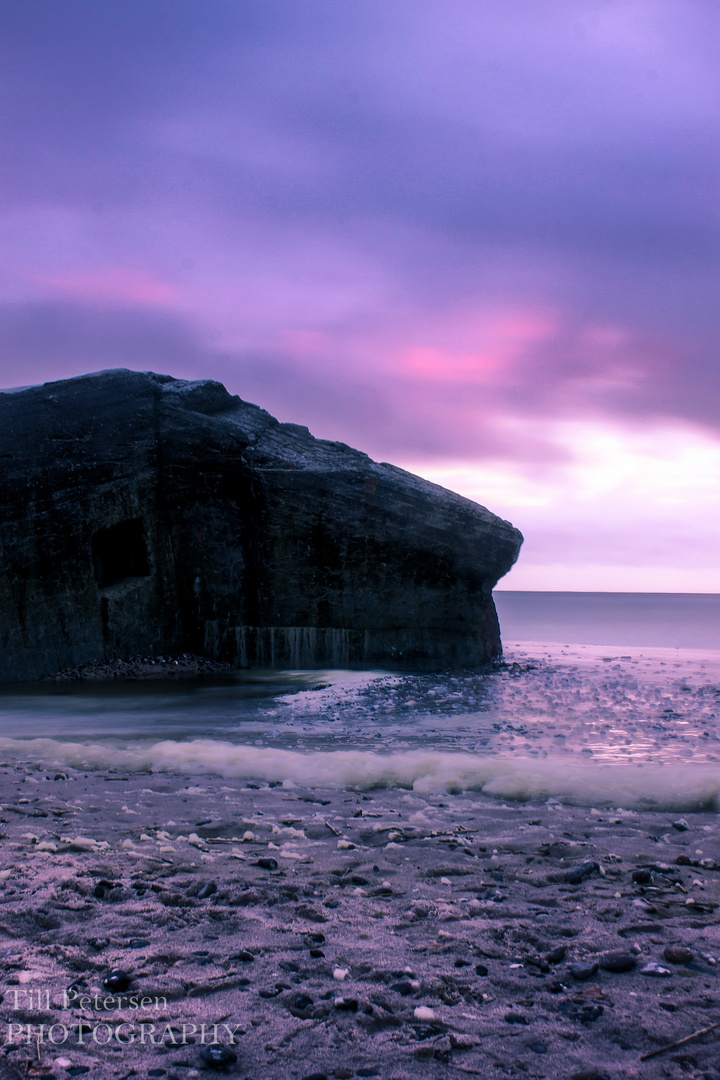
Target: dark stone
x,y
215,1056
579,873
207,890
617,961
538,1048
267,863
515,1018
583,971
244,955
117,981
142,515
556,955
642,877
677,954
347,1004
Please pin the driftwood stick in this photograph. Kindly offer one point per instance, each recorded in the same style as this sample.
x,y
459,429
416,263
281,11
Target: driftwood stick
x,y
680,1042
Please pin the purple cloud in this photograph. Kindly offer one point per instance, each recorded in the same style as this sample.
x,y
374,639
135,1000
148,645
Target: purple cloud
x,y
400,224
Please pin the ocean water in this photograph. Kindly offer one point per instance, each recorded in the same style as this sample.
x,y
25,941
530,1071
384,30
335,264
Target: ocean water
x,y
663,620
612,711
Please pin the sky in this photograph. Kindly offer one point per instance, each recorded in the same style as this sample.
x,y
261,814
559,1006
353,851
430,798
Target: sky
x,y
477,239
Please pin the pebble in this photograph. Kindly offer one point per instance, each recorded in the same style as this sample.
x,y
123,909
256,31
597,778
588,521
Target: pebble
x,y
579,873
677,954
581,972
681,825
655,971
617,961
556,955
215,1056
207,890
117,981
642,877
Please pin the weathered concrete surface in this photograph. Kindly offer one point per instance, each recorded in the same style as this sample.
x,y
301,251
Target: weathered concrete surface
x,y
144,514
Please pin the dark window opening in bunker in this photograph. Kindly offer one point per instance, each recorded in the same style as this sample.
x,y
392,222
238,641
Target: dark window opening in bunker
x,y
119,553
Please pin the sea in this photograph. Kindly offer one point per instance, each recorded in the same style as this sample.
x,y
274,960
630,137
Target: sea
x,y
601,699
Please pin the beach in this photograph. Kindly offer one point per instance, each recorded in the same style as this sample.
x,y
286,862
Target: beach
x,y
338,933
498,873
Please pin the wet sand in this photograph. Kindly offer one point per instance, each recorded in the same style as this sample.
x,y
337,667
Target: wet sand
x,y
343,933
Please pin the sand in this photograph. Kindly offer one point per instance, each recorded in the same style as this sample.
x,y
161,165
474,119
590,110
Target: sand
x,y
345,933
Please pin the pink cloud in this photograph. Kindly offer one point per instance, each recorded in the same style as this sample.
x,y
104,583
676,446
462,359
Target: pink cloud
x,y
114,285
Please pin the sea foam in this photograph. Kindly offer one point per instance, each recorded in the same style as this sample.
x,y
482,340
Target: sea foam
x,y
672,787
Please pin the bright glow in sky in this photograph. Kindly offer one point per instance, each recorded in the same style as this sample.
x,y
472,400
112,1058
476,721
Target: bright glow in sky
x,y
638,498
479,240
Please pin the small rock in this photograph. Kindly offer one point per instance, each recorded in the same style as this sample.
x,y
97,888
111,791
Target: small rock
x,y
423,1013
480,969
515,1018
642,877
117,981
581,972
346,1004
617,961
266,862
207,890
681,825
538,1048
579,873
215,1056
655,971
556,955
677,954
